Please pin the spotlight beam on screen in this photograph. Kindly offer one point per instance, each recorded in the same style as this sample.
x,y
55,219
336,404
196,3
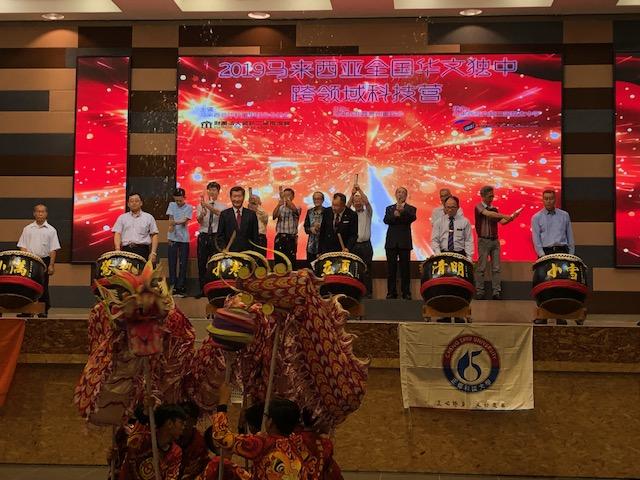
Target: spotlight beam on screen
x,y
423,122
100,174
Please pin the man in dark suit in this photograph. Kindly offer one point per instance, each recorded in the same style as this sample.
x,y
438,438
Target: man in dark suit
x,y
240,220
398,245
338,220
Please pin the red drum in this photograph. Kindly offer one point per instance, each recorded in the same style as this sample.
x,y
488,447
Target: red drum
x,y
447,282
22,277
343,273
222,271
111,262
560,283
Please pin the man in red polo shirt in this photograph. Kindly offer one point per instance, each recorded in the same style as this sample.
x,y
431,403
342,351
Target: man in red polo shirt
x,y
487,220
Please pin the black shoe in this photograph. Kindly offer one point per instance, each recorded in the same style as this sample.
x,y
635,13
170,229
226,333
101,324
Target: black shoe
x,y
479,296
540,321
406,296
391,296
444,320
43,315
459,320
560,321
25,315
496,296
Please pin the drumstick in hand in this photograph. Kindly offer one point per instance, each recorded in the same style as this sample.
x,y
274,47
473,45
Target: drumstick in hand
x,y
341,242
231,240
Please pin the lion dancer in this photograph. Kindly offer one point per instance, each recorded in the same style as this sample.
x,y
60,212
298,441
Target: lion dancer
x,y
138,459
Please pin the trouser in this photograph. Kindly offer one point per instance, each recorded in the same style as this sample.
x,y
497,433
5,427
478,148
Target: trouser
x,y
262,241
178,256
556,249
45,292
365,251
287,245
488,248
393,255
206,247
139,249
310,258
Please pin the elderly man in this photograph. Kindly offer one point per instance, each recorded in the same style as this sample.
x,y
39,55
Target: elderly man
x,y
339,227
255,204
287,216
439,212
452,232
487,219
551,228
41,239
136,231
363,248
398,244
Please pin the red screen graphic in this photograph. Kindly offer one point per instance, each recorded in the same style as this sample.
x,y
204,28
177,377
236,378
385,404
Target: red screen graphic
x,y
423,122
100,175
627,160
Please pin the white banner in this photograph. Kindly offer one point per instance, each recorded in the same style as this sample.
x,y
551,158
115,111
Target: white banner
x,y
464,366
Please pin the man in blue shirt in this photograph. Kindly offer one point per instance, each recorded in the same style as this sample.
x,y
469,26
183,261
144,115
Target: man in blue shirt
x,y
180,214
551,228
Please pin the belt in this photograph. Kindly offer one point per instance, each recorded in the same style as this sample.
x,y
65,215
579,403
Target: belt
x,y
366,241
287,234
207,233
488,238
137,245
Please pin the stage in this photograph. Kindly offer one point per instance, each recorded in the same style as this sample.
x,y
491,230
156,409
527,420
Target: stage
x,y
586,388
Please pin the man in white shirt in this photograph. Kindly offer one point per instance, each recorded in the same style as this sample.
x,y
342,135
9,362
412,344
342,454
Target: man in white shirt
x,y
452,232
136,231
208,215
439,212
363,248
41,239
255,204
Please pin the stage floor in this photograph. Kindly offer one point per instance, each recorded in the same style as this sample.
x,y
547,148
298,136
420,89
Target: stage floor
x,y
395,311
57,472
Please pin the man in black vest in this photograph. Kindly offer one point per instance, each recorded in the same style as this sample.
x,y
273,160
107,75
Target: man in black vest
x,y
398,245
338,220
240,220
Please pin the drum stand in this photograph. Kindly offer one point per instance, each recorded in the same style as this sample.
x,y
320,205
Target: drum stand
x,y
579,315
429,312
31,308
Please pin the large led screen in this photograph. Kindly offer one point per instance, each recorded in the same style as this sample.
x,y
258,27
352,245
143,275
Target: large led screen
x,y
423,122
628,160
100,175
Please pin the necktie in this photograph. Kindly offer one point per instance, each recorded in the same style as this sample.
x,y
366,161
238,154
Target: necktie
x,y
336,222
238,218
210,229
450,239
